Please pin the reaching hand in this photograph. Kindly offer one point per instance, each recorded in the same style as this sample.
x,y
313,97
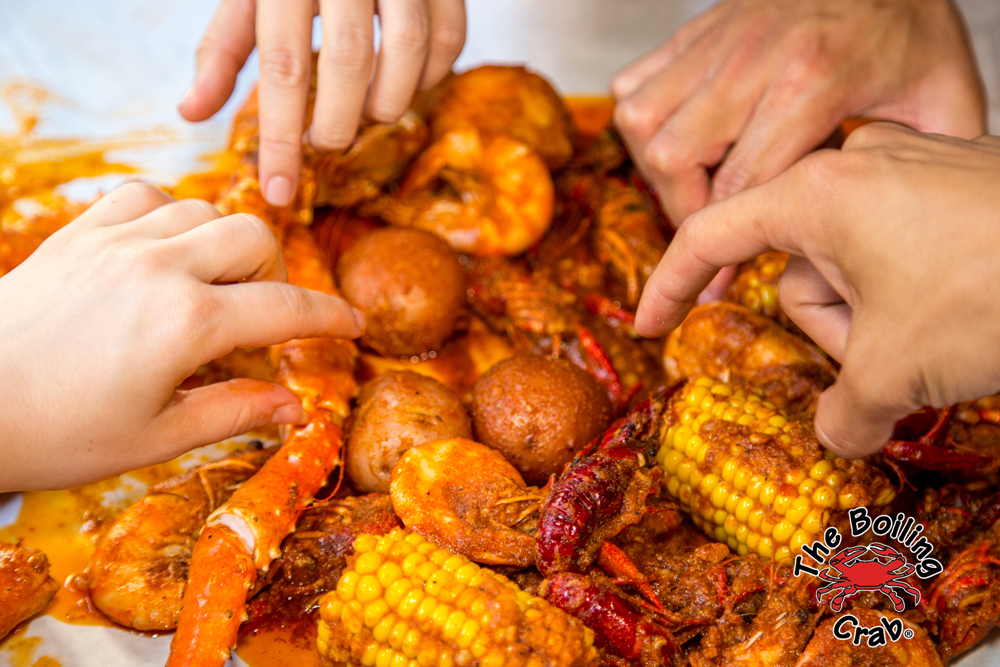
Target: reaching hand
x,y
420,41
104,321
753,85
895,271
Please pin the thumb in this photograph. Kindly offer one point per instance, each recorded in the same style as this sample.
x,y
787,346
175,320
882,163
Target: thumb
x,y
218,411
851,422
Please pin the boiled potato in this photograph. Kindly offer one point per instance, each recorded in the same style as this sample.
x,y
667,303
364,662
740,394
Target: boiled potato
x,y
397,411
410,286
538,412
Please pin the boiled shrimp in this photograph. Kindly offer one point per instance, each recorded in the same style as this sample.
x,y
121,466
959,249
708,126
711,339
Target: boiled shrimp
x,y
25,585
465,497
505,100
486,196
139,569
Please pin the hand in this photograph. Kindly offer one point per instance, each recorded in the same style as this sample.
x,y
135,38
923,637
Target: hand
x,y
112,312
895,272
753,85
420,41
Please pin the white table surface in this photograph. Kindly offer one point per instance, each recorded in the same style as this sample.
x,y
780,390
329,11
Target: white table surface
x,y
121,65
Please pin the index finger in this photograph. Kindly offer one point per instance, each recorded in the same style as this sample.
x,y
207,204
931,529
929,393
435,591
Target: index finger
x,y
773,216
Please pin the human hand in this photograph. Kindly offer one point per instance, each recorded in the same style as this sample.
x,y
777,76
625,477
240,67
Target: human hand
x,y
894,271
112,312
753,85
420,41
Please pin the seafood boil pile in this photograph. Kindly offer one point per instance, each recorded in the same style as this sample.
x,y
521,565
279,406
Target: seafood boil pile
x,y
501,471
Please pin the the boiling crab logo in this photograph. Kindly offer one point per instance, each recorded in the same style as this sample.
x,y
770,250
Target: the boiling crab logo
x,y
877,567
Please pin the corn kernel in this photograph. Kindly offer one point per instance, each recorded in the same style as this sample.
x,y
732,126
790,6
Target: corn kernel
x,y
696,394
730,469
707,402
684,470
364,542
731,414
742,478
385,656
348,585
382,631
783,501
732,501
733,544
757,483
836,479
783,531
765,547
798,510
768,493
808,487
454,624
368,588
742,550
465,573
410,602
847,498
696,477
334,606
799,539
468,633
368,657
782,554
395,593
820,470
720,534
795,477
388,573
814,521
440,556
684,494
731,525
720,495
426,570
753,540
742,531
681,438
692,446
673,486
454,563
374,611
885,496
756,517
352,617
744,420
671,460
384,545
743,508
720,517
824,496
441,615
777,421
412,562
708,484
425,609
767,526
704,381
368,562
721,390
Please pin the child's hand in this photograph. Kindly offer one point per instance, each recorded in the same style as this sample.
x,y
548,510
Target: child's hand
x,y
895,271
101,324
420,41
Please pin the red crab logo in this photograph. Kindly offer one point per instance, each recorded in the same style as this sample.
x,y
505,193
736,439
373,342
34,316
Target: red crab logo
x,y
848,574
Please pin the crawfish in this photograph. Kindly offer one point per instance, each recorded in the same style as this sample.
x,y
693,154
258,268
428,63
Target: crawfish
x,y
539,316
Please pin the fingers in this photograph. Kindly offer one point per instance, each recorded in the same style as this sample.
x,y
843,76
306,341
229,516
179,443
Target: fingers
x,y
766,217
815,306
345,65
633,76
855,416
447,40
176,217
257,314
124,204
406,34
717,288
284,34
234,248
785,126
223,410
221,55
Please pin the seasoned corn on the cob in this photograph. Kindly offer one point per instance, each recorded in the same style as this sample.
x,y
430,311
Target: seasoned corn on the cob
x,y
403,602
753,479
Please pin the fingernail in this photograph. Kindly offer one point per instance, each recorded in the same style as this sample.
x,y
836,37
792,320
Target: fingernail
x,y
359,317
278,191
187,96
290,413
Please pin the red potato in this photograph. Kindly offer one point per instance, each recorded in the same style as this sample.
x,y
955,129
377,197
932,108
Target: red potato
x,y
397,411
538,412
410,286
